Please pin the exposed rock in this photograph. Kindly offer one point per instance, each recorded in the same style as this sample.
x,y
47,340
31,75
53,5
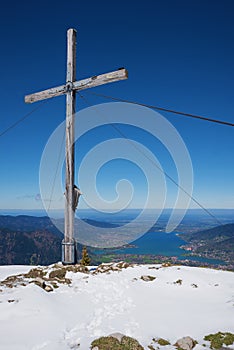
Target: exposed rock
x,y
57,265
123,265
39,282
48,288
41,276
105,268
59,273
220,339
163,342
147,278
166,264
108,267
34,273
77,268
42,284
112,343
62,280
118,336
130,343
186,343
158,341
178,282
12,281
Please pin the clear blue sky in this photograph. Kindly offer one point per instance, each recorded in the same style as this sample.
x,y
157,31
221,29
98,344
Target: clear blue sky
x,y
179,54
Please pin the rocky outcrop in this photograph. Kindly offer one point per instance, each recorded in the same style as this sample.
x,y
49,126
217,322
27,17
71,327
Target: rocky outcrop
x,y
116,341
47,278
186,343
108,267
147,278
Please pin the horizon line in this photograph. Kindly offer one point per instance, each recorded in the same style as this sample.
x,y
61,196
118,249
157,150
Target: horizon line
x,y
117,209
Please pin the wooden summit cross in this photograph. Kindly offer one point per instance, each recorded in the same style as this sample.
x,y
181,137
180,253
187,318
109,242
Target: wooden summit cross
x,y
70,88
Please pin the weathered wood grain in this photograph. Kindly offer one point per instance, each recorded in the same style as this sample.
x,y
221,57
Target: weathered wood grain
x,y
101,79
42,95
69,252
78,85
70,88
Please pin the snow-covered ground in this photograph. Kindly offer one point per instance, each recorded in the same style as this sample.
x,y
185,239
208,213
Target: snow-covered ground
x,y
201,302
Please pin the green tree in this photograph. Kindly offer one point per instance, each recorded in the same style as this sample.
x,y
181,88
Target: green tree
x,y
85,257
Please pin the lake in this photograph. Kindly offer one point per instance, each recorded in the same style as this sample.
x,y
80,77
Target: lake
x,y
161,243
154,242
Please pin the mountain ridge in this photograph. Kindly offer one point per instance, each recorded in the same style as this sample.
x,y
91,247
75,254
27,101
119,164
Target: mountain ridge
x,y
217,242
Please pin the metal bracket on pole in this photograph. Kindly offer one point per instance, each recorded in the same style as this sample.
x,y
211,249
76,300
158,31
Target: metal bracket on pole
x,y
71,247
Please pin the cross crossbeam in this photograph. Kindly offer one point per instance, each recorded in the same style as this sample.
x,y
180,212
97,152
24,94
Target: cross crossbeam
x,y
69,89
94,81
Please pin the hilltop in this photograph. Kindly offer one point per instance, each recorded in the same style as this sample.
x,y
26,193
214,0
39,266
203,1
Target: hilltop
x,y
27,223
31,240
217,242
29,247
64,308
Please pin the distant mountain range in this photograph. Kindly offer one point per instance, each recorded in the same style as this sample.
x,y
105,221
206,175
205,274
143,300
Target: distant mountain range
x,y
36,240
28,240
27,223
29,247
217,242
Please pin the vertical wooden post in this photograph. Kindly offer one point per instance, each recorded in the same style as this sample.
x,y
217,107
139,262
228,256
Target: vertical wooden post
x,y
68,244
69,253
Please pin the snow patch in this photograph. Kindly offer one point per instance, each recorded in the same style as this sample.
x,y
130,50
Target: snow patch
x,y
116,300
